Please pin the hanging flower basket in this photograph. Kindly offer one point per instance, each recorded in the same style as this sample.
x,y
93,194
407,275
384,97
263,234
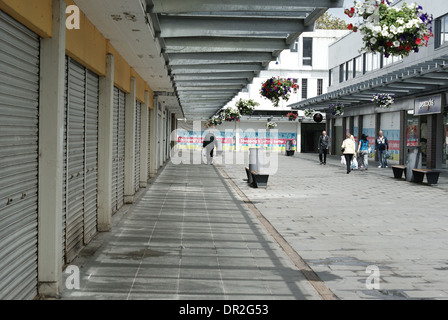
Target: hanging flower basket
x,y
271,125
278,88
291,116
214,121
309,112
232,114
383,100
391,31
246,107
337,109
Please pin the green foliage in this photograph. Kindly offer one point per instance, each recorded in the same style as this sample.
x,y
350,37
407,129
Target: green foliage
x,y
330,22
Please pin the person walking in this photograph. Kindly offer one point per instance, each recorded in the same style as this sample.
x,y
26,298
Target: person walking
x,y
209,145
324,142
363,152
348,149
381,147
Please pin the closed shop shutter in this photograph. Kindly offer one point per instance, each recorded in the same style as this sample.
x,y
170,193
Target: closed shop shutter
x,y
118,150
149,145
138,122
91,183
75,160
19,109
81,158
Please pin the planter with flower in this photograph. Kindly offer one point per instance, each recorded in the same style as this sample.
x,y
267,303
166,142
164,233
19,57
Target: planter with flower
x,y
309,113
246,107
337,109
232,114
291,116
391,30
278,88
271,125
213,121
383,100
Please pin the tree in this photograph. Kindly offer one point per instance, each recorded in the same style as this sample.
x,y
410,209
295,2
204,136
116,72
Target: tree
x,y
330,22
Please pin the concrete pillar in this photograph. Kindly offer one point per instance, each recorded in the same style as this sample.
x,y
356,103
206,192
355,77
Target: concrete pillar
x,y
105,141
299,137
144,143
129,152
51,157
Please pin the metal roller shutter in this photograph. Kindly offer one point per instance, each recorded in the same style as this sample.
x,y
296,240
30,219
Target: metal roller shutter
x,y
91,168
118,150
121,151
19,109
75,160
115,151
149,145
138,122
81,161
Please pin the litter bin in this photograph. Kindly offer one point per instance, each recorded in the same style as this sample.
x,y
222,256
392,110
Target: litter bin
x,y
288,148
413,161
255,162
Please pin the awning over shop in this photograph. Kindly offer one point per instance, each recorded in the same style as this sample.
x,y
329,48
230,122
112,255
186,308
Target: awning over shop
x,y
213,48
420,79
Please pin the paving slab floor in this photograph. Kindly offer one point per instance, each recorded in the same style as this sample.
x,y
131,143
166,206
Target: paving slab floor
x,y
187,236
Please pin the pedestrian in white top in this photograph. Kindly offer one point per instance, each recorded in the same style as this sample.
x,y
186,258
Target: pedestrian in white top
x,y
348,149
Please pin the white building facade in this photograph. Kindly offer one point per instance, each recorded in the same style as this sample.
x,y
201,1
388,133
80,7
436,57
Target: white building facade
x,y
420,78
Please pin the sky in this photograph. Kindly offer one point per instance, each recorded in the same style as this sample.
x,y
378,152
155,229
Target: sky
x,y
339,12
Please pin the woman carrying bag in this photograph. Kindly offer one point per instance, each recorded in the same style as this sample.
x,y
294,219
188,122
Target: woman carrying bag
x,y
348,149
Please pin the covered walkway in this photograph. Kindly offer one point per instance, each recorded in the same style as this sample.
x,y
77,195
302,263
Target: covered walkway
x,y
189,236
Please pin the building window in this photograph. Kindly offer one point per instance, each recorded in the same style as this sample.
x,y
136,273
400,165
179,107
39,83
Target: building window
x,y
373,61
349,70
307,51
304,88
358,67
441,31
334,76
320,87
342,73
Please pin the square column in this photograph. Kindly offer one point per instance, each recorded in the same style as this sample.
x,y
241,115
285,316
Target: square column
x,y
144,142
129,151
105,141
51,155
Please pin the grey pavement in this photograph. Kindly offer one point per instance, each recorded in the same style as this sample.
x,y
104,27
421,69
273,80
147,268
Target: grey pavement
x,y
192,235
188,236
342,224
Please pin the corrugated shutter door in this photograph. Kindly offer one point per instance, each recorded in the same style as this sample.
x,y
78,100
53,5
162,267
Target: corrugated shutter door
x,y
121,144
115,152
91,182
149,145
75,161
81,158
19,109
118,150
138,122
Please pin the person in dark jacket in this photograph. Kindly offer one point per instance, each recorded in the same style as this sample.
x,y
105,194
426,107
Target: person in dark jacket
x,y
381,147
324,142
209,145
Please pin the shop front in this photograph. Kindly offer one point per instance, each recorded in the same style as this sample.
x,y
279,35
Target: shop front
x,y
426,128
